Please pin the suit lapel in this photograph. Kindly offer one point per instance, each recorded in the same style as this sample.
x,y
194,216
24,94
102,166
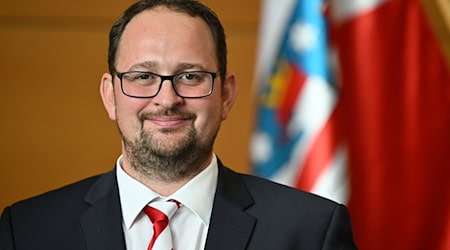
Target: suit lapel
x,y
101,223
230,226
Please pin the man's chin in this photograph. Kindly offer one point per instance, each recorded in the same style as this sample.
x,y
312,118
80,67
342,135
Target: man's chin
x,y
169,137
169,143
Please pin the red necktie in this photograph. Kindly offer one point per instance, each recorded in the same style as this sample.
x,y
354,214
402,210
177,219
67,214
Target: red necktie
x,y
159,213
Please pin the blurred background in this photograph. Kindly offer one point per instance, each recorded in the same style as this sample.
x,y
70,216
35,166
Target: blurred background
x,y
349,99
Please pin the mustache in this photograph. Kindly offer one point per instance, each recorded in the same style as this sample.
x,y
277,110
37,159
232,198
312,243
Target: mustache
x,y
167,113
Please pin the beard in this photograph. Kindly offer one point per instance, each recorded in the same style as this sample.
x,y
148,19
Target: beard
x,y
167,160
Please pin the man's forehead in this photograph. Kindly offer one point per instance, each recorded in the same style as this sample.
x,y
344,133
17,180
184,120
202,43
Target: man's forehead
x,y
164,29
162,11
162,19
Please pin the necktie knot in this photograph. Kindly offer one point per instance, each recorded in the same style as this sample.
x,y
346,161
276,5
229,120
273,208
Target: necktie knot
x,y
159,213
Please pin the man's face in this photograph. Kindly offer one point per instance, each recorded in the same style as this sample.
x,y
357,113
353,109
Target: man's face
x,y
167,129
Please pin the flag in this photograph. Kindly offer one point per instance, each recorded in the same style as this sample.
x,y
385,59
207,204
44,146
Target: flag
x,y
395,107
295,141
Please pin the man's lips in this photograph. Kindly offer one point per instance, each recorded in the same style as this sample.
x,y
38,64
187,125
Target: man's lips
x,y
167,118
169,121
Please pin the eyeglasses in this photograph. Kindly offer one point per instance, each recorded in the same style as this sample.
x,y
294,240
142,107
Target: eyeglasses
x,y
191,84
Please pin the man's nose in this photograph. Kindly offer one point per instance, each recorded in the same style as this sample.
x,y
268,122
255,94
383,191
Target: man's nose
x,y
167,96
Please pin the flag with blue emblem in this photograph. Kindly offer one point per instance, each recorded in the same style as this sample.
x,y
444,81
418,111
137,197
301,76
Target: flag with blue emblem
x,y
294,141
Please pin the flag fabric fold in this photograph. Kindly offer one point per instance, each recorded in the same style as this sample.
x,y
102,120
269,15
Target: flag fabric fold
x,y
395,101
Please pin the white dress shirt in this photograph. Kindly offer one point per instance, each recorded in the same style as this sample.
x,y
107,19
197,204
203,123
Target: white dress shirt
x,y
189,225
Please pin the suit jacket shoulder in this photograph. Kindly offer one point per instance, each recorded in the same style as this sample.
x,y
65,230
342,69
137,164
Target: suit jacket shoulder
x,y
70,217
260,214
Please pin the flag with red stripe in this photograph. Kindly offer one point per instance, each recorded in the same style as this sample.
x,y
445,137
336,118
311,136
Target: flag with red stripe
x,y
395,101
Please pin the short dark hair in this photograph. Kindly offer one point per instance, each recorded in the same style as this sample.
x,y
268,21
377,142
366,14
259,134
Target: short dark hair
x,y
190,7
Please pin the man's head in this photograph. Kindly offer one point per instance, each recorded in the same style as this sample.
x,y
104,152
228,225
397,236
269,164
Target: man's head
x,y
167,137
192,8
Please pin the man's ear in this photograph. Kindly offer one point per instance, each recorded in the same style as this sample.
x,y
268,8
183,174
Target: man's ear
x,y
107,93
229,94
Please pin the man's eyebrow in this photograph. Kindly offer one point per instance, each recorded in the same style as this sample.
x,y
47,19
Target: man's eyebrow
x,y
152,66
185,66
147,65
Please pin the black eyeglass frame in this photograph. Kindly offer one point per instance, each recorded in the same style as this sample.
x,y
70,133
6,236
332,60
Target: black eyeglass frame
x,y
171,79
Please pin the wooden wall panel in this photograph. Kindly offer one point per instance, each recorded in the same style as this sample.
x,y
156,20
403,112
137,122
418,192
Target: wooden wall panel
x,y
438,12
64,9
53,126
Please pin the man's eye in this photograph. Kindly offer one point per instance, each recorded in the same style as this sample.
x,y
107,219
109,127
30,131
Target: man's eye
x,y
189,76
138,76
143,76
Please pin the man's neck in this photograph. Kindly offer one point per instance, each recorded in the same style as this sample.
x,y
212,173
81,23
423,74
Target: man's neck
x,y
162,187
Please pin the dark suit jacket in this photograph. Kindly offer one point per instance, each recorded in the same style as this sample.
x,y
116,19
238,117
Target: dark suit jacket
x,y
248,213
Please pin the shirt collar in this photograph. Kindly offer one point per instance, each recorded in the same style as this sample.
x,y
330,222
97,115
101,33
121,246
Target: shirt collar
x,y
197,195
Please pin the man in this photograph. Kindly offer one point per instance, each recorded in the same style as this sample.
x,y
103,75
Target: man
x,y
168,90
